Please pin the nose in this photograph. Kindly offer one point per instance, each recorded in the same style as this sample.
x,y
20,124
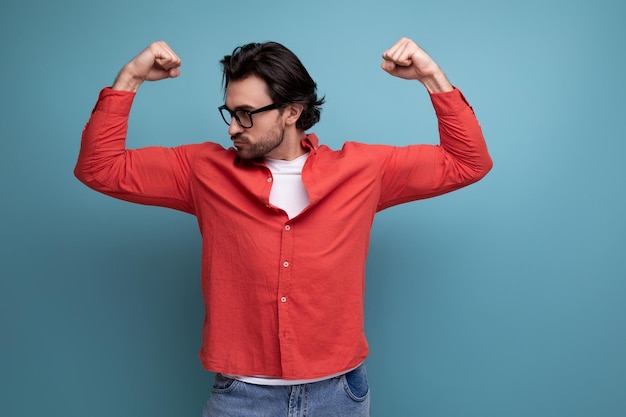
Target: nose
x,y
234,128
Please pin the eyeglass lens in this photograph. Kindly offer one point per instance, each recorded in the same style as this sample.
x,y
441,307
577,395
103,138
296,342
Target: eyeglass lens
x,y
241,116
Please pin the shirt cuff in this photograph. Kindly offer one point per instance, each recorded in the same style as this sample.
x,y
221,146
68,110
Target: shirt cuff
x,y
114,101
450,102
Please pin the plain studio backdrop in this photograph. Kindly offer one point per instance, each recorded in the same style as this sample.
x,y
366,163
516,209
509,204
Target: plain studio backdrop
x,y
503,299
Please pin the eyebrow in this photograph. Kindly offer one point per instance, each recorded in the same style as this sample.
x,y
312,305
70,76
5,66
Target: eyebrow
x,y
244,107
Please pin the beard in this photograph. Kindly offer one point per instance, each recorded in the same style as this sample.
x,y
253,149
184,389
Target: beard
x,y
264,145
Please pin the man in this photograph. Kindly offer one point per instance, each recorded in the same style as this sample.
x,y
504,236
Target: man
x,y
285,221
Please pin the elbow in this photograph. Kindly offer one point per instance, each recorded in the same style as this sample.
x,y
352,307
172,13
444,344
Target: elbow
x,y
483,168
80,173
83,174
487,166
478,170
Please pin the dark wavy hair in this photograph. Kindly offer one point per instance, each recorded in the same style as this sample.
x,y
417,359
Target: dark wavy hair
x,y
287,79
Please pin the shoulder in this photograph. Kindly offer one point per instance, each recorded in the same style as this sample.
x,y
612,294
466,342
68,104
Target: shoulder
x,y
356,150
203,155
205,149
352,157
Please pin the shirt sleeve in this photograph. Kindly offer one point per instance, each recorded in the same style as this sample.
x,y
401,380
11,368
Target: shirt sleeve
x,y
153,175
421,171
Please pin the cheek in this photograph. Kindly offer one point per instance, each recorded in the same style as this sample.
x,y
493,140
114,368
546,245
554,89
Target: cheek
x,y
268,128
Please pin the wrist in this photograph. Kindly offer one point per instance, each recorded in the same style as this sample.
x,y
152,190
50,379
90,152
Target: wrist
x,y
437,82
125,81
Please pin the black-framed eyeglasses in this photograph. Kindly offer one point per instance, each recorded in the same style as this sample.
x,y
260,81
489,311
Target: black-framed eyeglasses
x,y
243,117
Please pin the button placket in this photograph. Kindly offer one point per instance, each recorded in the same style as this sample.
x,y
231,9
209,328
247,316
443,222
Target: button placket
x,y
284,293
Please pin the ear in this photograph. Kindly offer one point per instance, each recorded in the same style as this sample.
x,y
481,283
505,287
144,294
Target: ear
x,y
293,112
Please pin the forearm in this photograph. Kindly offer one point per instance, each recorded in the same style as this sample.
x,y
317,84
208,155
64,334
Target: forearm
x,y
126,81
103,139
461,136
437,82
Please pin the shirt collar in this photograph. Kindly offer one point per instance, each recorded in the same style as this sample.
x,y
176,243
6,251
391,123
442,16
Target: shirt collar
x,y
310,141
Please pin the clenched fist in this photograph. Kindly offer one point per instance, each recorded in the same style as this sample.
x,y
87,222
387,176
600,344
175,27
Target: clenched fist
x,y
407,60
157,62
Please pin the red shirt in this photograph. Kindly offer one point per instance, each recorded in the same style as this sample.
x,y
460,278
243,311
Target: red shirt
x,y
284,298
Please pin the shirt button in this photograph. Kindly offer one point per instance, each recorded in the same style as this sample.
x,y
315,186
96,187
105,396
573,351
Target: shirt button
x,y
287,227
283,299
285,264
269,179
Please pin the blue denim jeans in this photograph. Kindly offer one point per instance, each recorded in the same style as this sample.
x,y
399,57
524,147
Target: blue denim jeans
x,y
343,396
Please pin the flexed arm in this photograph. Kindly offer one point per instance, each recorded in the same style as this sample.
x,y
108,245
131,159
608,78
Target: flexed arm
x,y
422,171
152,175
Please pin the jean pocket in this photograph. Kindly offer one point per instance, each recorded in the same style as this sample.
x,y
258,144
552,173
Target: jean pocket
x,y
223,385
355,384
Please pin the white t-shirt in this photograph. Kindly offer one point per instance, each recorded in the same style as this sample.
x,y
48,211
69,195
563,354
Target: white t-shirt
x,y
288,192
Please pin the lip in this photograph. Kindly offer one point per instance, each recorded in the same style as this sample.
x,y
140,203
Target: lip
x,y
239,142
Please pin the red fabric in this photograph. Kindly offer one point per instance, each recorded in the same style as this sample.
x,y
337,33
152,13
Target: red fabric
x,y
284,298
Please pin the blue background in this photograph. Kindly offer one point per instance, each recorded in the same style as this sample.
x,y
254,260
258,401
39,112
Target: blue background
x,y
502,299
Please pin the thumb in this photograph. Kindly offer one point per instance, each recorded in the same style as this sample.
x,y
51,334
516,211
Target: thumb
x,y
173,72
388,66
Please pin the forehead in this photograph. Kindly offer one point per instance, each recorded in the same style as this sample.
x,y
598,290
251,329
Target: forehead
x,y
251,91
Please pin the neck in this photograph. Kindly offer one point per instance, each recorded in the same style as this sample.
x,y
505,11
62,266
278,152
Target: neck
x,y
291,147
